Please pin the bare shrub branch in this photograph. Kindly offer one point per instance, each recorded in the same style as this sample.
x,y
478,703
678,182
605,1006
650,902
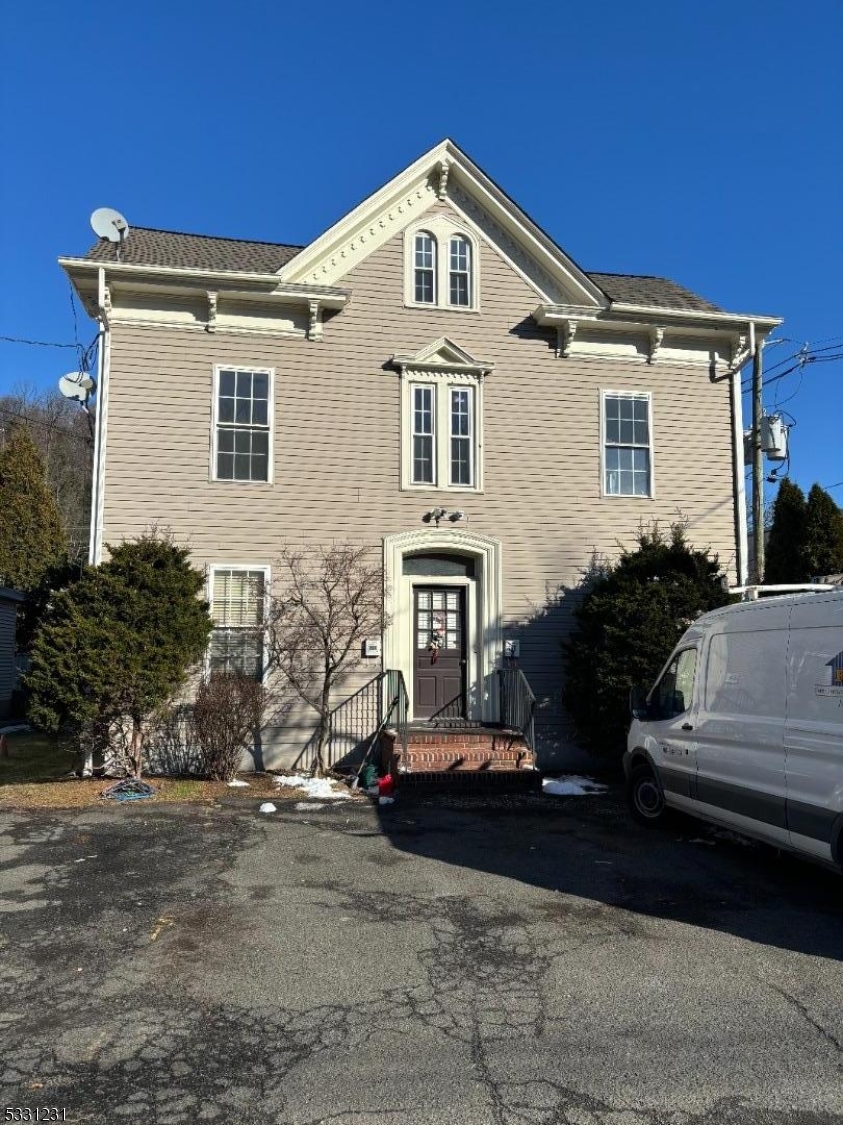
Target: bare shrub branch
x,y
227,714
327,601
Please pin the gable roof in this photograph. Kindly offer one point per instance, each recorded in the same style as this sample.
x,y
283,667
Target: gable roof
x,y
147,246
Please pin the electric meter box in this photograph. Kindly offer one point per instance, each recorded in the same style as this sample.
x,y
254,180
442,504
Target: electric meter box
x,y
372,646
774,437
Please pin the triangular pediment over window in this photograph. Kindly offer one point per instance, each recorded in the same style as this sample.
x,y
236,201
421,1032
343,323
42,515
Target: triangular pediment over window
x,y
443,355
446,175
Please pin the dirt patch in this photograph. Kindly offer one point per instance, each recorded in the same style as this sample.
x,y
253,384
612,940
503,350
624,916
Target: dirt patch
x,y
72,792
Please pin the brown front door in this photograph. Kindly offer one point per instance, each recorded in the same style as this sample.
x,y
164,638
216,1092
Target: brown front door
x,y
439,652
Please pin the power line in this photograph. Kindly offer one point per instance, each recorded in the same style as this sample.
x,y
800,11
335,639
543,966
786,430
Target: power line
x,y
20,417
36,343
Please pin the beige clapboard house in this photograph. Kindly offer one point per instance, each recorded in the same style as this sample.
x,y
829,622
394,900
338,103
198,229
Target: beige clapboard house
x,y
433,351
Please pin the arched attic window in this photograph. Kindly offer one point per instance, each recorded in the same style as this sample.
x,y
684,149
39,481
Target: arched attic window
x,y
424,258
459,271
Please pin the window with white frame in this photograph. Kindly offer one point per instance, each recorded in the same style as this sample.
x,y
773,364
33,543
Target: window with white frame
x,y
442,428
424,434
627,444
237,608
462,438
441,265
425,268
460,271
242,424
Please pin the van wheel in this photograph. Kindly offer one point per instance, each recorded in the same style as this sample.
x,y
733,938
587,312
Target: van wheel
x,y
645,797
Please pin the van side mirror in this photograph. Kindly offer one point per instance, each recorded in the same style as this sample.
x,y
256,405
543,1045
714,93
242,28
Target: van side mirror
x,y
638,703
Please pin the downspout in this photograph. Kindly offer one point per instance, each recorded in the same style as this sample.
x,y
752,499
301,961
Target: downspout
x,y
103,369
739,466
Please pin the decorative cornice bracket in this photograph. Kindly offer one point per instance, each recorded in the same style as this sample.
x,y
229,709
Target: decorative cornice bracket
x,y
566,331
211,326
106,307
314,326
444,168
740,352
656,341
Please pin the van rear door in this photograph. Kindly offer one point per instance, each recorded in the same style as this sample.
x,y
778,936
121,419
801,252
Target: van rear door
x,y
740,722
814,724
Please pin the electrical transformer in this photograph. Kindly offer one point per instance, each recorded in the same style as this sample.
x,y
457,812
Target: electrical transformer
x,y
774,437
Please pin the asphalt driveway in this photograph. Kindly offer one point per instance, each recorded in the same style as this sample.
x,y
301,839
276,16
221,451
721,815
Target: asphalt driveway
x,y
520,960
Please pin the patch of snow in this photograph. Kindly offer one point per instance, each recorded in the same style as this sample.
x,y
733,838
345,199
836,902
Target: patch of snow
x,y
238,784
386,800
316,788
571,786
267,806
307,806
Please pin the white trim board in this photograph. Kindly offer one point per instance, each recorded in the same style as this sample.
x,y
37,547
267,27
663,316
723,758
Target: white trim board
x,y
484,609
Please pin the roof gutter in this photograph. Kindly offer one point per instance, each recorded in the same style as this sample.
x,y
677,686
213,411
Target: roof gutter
x,y
328,296
727,318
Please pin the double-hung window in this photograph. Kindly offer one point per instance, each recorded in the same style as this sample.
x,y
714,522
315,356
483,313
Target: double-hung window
x,y
627,444
442,427
460,272
242,424
424,434
425,268
237,608
462,437
441,265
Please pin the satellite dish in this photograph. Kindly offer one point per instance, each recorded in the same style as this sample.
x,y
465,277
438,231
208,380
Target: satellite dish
x,y
110,224
77,384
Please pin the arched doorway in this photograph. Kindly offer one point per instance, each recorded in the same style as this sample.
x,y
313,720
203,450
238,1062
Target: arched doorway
x,y
443,599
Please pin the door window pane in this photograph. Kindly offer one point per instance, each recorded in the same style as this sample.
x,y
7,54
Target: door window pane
x,y
675,691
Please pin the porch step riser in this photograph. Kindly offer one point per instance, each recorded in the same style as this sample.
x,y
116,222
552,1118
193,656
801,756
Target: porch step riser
x,y
427,762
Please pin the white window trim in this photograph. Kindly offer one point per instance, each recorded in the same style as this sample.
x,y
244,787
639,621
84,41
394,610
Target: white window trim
x,y
434,269
467,273
435,396
215,399
442,381
211,570
442,228
604,394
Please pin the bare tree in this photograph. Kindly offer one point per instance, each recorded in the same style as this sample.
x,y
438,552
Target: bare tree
x,y
326,602
62,433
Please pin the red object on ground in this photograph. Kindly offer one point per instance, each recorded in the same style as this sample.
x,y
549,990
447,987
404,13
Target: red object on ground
x,y
386,786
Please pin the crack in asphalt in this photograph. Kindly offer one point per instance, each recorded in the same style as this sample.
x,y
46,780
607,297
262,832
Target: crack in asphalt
x,y
132,1044
805,1012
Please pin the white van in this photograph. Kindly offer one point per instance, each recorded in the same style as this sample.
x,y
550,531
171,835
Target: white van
x,y
744,726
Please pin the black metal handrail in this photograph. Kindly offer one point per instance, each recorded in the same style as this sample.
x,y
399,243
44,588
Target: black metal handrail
x,y
518,705
353,723
396,691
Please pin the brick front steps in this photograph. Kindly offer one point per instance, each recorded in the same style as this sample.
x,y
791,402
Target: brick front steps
x,y
455,751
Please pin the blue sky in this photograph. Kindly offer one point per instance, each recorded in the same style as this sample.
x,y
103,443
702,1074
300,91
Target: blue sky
x,y
700,141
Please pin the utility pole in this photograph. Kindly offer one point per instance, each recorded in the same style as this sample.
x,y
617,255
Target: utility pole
x,y
757,465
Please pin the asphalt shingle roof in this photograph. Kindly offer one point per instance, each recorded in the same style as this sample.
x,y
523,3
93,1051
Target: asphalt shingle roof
x,y
661,292
149,247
